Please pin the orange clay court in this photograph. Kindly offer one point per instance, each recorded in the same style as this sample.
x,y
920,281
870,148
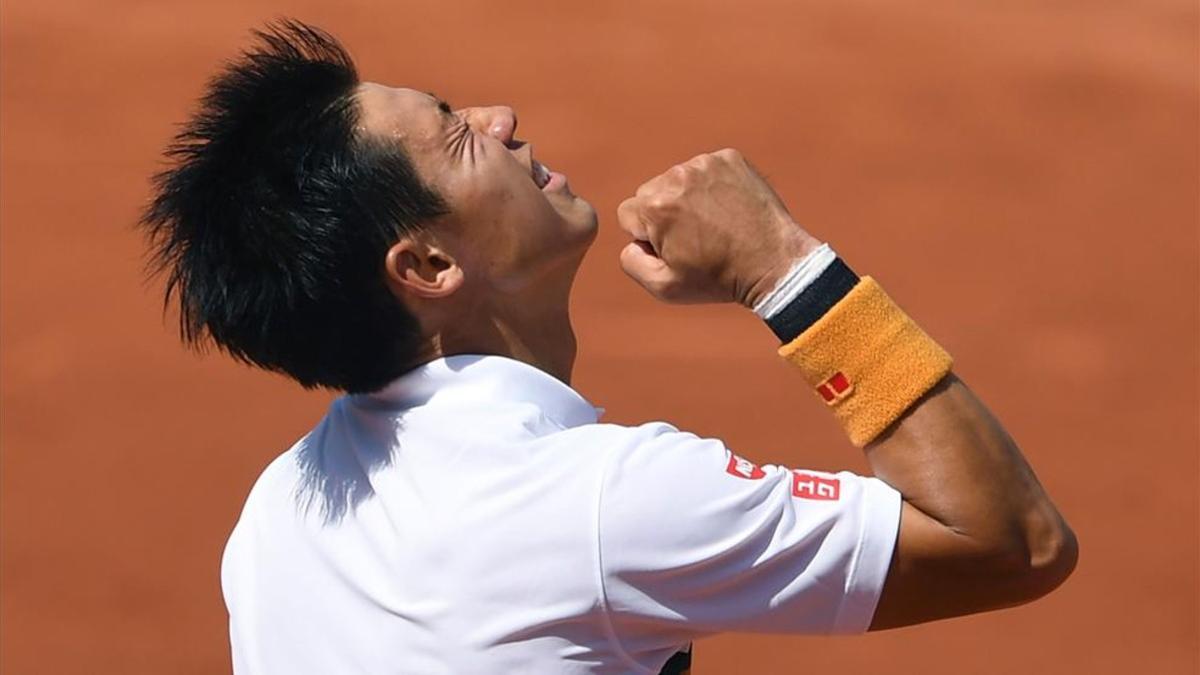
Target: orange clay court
x,y
1022,177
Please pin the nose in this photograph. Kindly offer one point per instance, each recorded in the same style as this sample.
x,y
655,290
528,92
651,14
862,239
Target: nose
x,y
499,122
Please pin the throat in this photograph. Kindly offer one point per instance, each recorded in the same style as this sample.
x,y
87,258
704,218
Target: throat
x,y
543,339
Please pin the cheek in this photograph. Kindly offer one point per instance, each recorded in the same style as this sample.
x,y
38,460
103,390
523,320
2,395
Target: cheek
x,y
523,207
514,228
508,224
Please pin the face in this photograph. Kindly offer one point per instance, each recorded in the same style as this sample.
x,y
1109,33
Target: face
x,y
513,222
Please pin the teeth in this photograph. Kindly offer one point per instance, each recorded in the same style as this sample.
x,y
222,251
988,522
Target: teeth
x,y
541,175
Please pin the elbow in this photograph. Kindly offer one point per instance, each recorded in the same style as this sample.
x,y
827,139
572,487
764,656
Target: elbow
x,y
1038,563
1055,561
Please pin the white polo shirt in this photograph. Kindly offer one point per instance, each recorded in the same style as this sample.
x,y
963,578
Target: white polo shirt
x,y
473,517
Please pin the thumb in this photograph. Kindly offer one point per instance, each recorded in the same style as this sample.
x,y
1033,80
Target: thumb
x,y
643,266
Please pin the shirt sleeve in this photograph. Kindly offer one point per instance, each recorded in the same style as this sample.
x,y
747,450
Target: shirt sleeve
x,y
695,539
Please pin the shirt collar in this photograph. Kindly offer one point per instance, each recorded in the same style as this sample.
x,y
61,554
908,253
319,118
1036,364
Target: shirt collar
x,y
478,378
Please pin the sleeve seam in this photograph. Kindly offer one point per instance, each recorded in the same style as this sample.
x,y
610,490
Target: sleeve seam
x,y
849,595
605,610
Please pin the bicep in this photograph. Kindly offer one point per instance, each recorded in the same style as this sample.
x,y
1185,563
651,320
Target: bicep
x,y
693,536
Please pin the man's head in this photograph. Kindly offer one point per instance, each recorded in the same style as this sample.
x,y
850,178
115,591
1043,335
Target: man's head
x,y
325,228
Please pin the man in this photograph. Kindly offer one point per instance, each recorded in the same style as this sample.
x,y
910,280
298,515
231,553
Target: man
x,y
461,509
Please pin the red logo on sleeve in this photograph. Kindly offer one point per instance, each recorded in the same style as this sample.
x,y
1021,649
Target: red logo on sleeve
x,y
809,486
743,468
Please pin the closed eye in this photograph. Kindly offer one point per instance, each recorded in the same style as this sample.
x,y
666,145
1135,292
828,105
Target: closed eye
x,y
443,106
461,140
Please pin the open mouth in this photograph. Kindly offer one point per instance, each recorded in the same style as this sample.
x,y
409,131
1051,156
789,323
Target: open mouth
x,y
540,174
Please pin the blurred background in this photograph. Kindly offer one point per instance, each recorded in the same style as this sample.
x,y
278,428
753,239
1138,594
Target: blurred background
x,y
1022,177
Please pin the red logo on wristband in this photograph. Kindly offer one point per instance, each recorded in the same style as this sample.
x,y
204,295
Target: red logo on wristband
x,y
810,486
836,388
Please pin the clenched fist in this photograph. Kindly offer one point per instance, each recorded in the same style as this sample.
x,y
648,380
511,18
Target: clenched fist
x,y
710,230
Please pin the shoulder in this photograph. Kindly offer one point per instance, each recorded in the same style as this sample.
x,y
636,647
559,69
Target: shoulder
x,y
282,470
662,483
660,452
629,451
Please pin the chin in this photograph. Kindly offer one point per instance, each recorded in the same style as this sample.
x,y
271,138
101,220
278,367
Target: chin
x,y
580,223
589,224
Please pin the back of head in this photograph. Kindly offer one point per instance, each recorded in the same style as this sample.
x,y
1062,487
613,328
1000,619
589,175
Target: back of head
x,y
273,221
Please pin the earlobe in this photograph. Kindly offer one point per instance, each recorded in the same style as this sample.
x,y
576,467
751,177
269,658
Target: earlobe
x,y
420,270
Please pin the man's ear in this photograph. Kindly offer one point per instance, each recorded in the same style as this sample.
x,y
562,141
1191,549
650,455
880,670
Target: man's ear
x,y
422,269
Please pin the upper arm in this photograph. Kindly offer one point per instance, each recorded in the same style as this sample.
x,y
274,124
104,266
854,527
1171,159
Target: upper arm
x,y
695,539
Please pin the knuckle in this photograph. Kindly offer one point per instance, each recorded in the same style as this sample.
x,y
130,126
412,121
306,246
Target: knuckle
x,y
627,213
649,187
729,154
660,204
679,171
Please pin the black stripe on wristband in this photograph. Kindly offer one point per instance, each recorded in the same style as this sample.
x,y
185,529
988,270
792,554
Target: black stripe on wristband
x,y
821,295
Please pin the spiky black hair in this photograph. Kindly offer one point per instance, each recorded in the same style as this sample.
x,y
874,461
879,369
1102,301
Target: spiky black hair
x,y
273,220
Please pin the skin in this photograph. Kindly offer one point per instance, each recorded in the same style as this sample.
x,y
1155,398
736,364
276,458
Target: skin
x,y
495,275
977,530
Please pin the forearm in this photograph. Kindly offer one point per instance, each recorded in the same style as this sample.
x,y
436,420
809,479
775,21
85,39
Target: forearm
x,y
940,448
951,460
977,531
973,507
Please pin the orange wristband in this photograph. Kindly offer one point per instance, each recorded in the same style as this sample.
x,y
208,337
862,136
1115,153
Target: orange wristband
x,y
867,360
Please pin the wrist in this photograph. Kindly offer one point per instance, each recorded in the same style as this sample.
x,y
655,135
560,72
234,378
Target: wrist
x,y
812,285
804,302
790,255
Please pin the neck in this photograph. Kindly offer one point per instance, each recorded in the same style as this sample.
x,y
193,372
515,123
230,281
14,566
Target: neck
x,y
537,332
